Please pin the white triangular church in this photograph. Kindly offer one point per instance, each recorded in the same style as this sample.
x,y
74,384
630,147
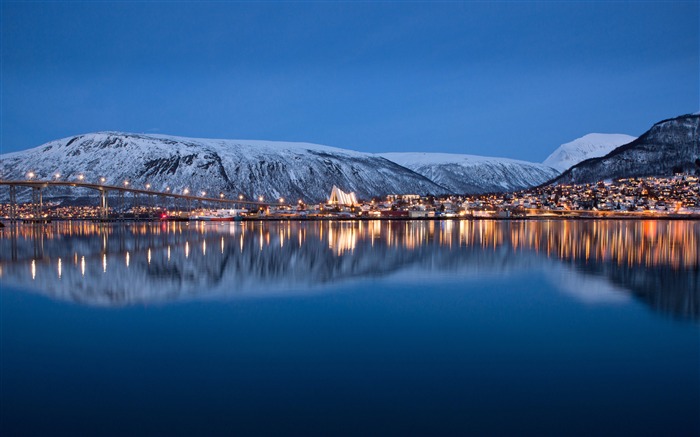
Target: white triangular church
x,y
340,197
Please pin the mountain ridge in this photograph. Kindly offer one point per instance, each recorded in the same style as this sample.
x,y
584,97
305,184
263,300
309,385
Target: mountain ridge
x,y
668,146
474,174
254,168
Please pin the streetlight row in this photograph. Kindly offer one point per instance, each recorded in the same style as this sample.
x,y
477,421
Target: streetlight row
x,y
186,191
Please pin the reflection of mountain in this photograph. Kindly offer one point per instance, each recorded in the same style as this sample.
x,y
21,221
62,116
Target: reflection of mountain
x,y
664,289
121,265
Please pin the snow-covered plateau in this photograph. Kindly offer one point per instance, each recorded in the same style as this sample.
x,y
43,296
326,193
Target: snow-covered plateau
x,y
252,168
263,168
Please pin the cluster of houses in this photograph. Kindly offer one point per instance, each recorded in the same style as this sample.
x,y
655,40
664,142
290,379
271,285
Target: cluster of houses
x,y
677,195
673,195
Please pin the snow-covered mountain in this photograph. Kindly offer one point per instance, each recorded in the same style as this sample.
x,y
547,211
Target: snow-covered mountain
x,y
670,146
588,146
252,168
266,168
474,174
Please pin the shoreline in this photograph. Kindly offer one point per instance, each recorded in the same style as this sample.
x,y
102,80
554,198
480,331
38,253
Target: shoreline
x,y
636,217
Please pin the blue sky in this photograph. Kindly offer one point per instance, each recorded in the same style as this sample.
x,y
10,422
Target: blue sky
x,y
513,79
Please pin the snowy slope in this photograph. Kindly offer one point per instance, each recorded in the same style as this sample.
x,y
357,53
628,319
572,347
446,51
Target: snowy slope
x,y
474,174
668,147
252,168
586,147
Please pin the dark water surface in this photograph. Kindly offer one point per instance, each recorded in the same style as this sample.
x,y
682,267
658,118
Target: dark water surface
x,y
351,328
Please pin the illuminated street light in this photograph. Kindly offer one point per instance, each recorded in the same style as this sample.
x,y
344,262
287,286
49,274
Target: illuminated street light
x,y
81,177
260,198
186,191
167,188
221,195
57,175
240,197
31,175
103,180
281,199
126,183
204,193
148,186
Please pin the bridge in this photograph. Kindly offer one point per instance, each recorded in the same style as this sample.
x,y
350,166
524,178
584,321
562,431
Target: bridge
x,y
38,186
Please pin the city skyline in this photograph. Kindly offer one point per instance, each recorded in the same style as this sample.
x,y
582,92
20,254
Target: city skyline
x,y
498,79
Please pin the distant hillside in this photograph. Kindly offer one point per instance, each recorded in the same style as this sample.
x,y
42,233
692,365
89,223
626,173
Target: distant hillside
x,y
670,146
586,147
474,174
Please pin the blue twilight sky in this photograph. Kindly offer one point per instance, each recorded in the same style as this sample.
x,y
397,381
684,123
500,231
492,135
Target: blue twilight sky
x,y
512,79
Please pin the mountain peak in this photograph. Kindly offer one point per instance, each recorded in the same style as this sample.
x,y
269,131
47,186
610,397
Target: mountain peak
x,y
670,146
592,145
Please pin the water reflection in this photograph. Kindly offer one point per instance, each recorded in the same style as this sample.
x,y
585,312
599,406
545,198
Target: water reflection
x,y
594,261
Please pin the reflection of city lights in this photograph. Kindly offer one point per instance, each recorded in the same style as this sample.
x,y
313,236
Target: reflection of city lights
x,y
647,243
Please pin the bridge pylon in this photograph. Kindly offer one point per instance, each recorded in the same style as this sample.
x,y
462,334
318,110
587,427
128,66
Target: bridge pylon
x,y
13,204
104,205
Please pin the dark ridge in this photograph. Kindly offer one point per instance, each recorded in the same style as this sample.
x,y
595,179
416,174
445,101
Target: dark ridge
x,y
639,142
72,140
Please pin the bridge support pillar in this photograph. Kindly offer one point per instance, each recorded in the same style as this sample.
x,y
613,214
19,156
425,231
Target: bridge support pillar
x,y
13,204
121,204
38,202
104,205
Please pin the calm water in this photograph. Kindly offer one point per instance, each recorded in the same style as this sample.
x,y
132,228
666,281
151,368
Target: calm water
x,y
347,328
